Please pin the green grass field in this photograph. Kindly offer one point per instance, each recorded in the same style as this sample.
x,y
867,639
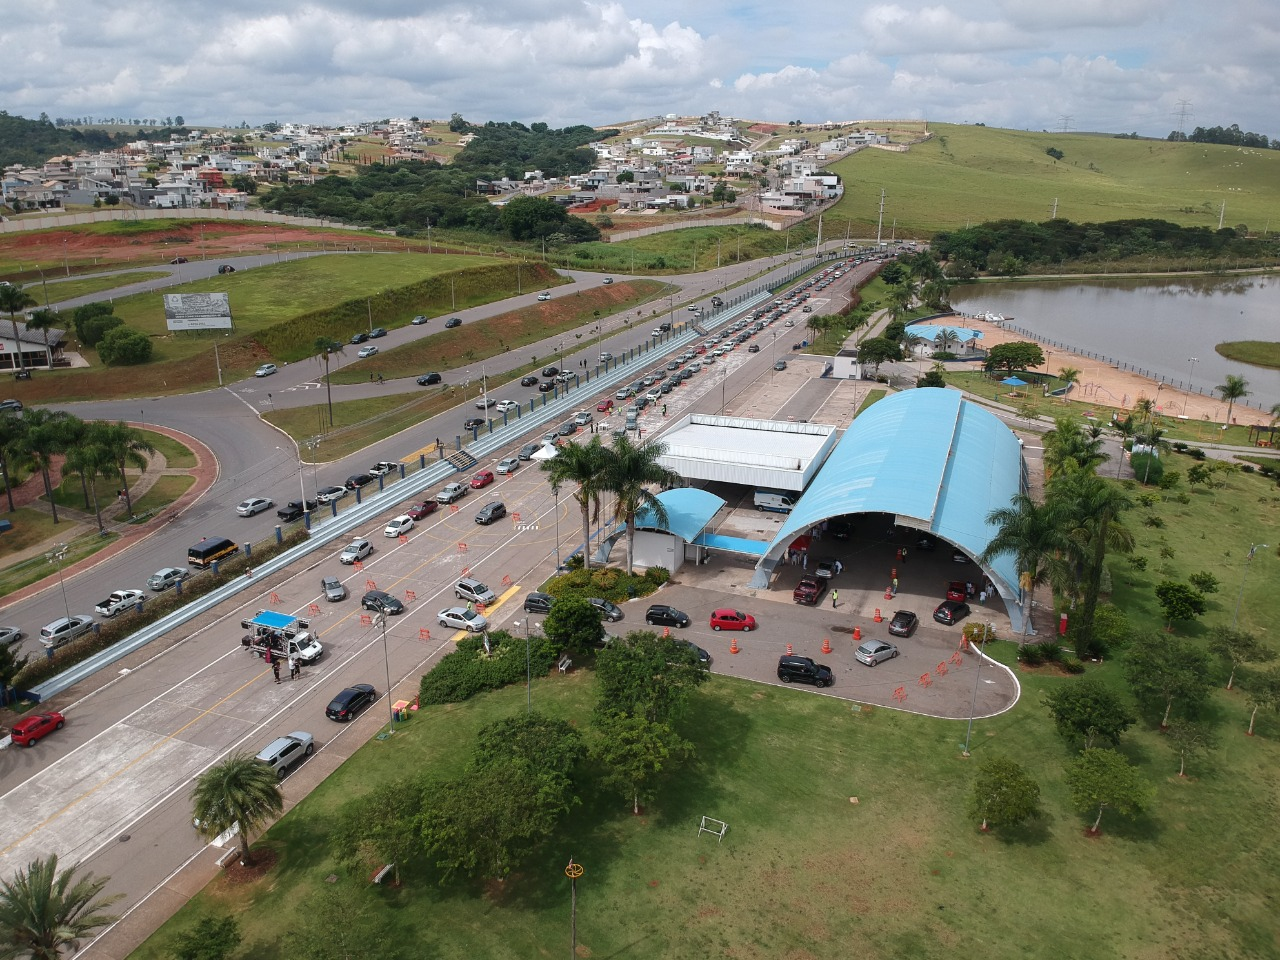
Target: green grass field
x,y
968,175
177,456
71,289
163,492
805,872
1258,353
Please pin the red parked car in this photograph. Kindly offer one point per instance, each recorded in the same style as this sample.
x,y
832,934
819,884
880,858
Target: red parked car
x,y
728,619
604,406
420,510
28,730
482,479
956,590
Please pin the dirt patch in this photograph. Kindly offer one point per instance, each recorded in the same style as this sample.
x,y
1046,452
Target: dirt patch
x,y
236,874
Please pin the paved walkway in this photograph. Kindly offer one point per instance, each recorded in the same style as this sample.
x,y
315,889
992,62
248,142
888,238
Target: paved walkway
x,y
205,472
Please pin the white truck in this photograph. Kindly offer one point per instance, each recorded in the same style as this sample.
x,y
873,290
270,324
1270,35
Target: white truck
x,y
283,634
118,602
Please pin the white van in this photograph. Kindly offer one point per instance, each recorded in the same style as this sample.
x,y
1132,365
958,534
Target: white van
x,y
774,500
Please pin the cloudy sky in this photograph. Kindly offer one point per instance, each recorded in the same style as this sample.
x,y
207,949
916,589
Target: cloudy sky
x,y
1109,65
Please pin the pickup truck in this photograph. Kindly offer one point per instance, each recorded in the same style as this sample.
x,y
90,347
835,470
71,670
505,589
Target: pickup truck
x,y
294,509
119,601
281,633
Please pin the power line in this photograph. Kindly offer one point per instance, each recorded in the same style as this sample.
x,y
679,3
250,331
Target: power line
x,y
1066,123
1184,111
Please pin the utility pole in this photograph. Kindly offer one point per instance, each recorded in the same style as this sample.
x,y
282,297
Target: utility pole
x,y
880,221
1054,214
1184,111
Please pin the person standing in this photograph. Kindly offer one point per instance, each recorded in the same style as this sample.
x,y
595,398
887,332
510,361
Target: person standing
x,y
294,668
835,595
904,555
804,561
895,586
275,669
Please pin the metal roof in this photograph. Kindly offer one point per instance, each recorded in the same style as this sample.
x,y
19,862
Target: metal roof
x,y
689,510
757,453
937,461
928,331
273,620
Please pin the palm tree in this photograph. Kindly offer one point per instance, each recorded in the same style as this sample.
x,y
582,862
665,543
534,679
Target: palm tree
x,y
1124,430
1093,507
629,470
14,299
44,436
946,339
900,298
128,447
1033,533
238,792
11,427
581,464
1275,414
43,910
323,348
91,461
44,320
1069,376
1235,388
1068,447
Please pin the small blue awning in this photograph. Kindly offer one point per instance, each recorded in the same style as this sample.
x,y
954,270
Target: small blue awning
x,y
273,620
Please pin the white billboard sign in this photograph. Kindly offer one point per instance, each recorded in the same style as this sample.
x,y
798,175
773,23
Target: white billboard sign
x,y
197,311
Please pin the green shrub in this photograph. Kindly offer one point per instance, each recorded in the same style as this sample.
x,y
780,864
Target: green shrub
x,y
1204,581
1196,453
1051,650
1031,655
1137,562
468,670
1072,665
657,575
1147,468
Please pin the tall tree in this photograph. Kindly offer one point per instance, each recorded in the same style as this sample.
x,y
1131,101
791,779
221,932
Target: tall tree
x,y
1189,739
323,348
573,624
1033,534
1262,690
12,427
13,300
1087,710
1233,388
381,826
630,469
128,447
1163,669
43,437
1003,793
1238,648
44,320
43,910
1094,506
648,676
581,464
636,753
239,792
1101,778
91,461
213,938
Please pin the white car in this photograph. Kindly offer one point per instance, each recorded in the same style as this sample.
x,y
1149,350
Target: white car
x,y
330,494
654,395
65,629
247,508
368,351
266,370
509,465
384,467
10,635
583,417
119,601
544,296
463,619
399,526
505,405
357,549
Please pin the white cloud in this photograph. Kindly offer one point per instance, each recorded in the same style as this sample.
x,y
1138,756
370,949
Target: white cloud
x,y
1111,64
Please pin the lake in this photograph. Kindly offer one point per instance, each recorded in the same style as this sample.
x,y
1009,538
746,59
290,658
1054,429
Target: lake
x,y
1155,325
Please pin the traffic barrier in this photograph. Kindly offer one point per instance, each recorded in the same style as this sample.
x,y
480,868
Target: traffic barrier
x,y
313,609
366,620
925,680
403,538
462,547
733,645
453,508
877,617
466,571
359,565
480,608
275,598
424,634
857,633
506,580
410,596
826,644
370,585
515,518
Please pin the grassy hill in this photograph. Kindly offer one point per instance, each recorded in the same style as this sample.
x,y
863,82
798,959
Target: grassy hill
x,y
968,174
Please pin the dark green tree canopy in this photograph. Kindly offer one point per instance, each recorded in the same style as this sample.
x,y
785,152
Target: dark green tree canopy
x,y
648,676
1086,710
1016,355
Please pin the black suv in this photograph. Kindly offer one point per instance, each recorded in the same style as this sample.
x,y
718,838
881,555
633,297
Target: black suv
x,y
429,379
804,670
537,602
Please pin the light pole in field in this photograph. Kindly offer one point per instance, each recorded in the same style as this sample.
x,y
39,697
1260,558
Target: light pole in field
x,y
386,659
973,703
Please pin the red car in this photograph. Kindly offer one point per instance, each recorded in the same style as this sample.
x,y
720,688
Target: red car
x,y
482,479
956,590
420,510
728,619
604,406
28,730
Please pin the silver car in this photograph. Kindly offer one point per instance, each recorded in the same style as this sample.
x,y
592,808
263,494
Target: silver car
x,y
333,589
166,577
461,618
872,652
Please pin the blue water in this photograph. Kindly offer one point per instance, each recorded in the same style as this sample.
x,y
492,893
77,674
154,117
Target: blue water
x,y
1157,326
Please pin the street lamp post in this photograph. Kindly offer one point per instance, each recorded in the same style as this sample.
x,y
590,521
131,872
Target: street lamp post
x,y
1193,361
1235,618
973,703
60,554
555,492
386,659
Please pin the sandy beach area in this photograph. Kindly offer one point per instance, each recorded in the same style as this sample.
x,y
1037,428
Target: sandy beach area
x,y
1105,385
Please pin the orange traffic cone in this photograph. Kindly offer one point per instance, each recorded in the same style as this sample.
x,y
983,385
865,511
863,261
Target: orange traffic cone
x,y
826,644
666,633
857,633
733,645
877,617
888,593
789,650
